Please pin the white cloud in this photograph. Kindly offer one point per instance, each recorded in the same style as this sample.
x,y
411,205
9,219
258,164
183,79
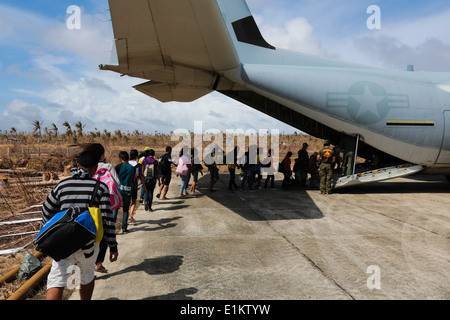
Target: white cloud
x,y
64,63
296,34
415,32
431,55
20,114
423,42
94,39
35,33
103,100
20,26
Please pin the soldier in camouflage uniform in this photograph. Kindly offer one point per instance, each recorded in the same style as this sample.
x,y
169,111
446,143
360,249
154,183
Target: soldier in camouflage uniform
x,y
326,157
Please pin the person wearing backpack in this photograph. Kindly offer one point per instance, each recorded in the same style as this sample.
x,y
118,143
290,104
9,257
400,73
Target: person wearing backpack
x,y
210,162
107,174
150,174
127,174
184,170
138,178
144,154
76,191
165,167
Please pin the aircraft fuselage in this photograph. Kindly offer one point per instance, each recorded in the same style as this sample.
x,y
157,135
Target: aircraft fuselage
x,y
188,49
401,113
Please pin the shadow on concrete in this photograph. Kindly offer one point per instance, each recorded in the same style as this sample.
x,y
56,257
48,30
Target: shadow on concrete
x,y
176,207
262,204
295,203
182,294
153,266
143,225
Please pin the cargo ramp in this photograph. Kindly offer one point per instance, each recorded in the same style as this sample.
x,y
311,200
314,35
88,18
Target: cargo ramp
x,y
376,175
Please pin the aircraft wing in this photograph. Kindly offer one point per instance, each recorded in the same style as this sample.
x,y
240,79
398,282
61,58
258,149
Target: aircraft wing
x,y
179,45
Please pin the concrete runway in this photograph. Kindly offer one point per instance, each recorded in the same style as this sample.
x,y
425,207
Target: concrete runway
x,y
388,240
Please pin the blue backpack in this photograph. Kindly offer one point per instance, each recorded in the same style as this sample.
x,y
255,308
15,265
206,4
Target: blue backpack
x,y
67,232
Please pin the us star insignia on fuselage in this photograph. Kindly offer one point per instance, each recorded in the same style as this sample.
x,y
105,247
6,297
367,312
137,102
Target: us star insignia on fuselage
x,y
367,102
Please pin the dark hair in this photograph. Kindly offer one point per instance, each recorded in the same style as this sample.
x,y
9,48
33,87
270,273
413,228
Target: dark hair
x,y
133,154
124,156
95,148
151,152
289,154
88,159
144,153
168,148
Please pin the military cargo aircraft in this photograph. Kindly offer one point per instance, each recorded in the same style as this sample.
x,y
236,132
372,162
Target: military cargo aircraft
x,y
399,121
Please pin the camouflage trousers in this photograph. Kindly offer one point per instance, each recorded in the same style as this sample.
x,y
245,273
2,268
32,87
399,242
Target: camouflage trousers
x,y
325,173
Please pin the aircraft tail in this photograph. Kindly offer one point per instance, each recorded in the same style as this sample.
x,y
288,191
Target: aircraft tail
x,y
252,48
183,46
189,48
248,41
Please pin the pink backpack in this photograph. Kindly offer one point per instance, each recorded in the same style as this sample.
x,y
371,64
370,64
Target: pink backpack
x,y
104,175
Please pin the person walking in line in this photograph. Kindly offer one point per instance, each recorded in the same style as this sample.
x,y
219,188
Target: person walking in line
x,y
183,169
326,157
232,165
78,190
287,172
256,172
252,166
245,167
150,174
303,159
210,161
269,168
127,174
104,168
313,170
165,166
138,178
196,169
144,154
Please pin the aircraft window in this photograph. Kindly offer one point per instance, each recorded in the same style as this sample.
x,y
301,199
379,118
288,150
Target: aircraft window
x,y
247,31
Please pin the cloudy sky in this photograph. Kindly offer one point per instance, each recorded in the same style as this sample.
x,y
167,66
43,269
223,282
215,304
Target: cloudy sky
x,y
50,73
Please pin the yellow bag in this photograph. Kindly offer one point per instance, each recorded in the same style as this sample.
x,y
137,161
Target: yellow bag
x,y
98,220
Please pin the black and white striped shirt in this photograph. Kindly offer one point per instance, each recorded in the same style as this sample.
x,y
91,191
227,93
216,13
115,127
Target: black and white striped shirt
x,y
77,191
